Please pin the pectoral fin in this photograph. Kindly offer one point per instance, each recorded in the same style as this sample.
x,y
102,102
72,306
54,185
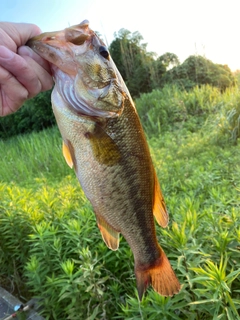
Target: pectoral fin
x,y
104,148
109,235
159,207
67,155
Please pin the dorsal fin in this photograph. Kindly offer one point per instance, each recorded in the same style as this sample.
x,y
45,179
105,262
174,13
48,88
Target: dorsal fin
x,y
159,207
109,235
67,155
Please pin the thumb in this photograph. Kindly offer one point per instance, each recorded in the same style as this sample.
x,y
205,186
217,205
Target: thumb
x,y
20,33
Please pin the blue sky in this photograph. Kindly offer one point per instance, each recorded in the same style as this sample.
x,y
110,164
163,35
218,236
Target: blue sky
x,y
184,27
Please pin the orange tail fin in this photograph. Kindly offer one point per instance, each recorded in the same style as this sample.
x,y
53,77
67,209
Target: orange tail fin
x,y
160,275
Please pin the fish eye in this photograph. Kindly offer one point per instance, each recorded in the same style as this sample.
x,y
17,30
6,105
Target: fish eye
x,y
104,52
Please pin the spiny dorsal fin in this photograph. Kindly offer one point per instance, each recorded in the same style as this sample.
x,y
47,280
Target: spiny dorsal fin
x,y
67,155
109,235
159,207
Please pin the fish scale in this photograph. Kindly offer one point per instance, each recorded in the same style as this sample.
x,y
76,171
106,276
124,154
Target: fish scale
x,y
104,142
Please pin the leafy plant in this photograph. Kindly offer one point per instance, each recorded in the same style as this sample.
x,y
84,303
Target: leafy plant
x,y
50,246
35,115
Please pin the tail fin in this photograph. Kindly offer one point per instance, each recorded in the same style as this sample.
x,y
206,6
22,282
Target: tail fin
x,y
160,275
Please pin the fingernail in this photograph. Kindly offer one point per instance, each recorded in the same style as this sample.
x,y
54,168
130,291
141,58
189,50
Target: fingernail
x,y
5,53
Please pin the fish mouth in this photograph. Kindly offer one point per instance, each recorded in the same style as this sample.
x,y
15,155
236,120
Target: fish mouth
x,y
85,76
59,47
76,34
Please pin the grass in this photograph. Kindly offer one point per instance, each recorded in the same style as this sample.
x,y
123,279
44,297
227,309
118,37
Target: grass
x,y
50,246
26,157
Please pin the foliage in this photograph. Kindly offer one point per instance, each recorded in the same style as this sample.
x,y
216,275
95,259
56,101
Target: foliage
x,y
160,66
45,238
132,60
143,72
197,70
237,77
50,246
139,69
35,115
30,156
228,119
197,109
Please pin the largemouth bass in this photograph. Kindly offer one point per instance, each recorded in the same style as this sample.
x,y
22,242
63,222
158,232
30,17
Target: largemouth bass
x,y
104,142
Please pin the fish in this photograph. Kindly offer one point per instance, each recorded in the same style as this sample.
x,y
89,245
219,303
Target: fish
x,y
104,142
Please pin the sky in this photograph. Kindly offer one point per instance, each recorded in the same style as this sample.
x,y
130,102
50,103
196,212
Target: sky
x,y
207,27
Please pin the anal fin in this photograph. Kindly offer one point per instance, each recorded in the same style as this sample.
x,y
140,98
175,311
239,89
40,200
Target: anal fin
x,y
109,235
159,207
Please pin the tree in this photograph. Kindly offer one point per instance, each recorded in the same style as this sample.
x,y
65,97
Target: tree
x,y
132,60
197,70
237,77
161,65
169,60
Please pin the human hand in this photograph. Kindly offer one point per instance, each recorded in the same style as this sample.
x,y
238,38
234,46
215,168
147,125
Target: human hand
x,y
23,73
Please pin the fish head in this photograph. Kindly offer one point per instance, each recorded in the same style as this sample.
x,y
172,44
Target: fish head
x,y
85,75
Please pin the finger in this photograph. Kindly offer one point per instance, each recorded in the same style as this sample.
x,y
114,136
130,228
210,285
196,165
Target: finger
x,y
24,51
20,33
44,78
7,41
18,67
12,94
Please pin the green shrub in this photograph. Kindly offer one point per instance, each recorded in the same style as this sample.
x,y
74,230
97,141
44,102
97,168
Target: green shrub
x,y
159,109
171,109
197,71
227,120
35,115
50,246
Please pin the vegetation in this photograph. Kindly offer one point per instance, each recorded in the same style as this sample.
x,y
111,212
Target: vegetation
x,y
35,115
143,72
132,60
50,246
171,108
197,70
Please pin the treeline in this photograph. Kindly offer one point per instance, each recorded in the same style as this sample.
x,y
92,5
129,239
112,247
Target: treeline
x,y
141,70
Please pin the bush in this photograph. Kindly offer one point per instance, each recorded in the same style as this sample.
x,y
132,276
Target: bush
x,y
50,246
35,115
227,120
197,71
160,109
46,238
171,108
